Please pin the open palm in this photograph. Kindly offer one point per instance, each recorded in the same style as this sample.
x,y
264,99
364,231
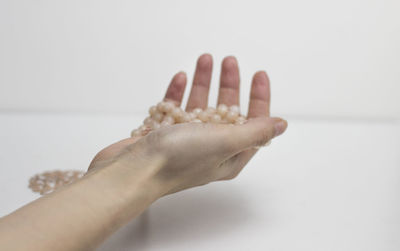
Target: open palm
x,y
229,92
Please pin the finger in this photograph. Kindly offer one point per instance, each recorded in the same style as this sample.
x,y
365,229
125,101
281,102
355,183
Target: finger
x,y
198,97
229,82
176,88
255,132
260,96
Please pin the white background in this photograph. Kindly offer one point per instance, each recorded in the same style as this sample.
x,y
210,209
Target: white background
x,y
78,75
326,58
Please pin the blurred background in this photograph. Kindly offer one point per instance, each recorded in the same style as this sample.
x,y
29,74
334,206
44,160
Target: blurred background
x,y
76,76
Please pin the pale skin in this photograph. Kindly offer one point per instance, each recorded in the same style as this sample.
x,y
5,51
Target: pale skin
x,y
127,177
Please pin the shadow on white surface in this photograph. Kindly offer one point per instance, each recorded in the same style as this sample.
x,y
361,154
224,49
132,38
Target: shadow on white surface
x,y
197,215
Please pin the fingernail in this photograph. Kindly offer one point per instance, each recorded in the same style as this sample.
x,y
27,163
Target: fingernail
x,y
280,127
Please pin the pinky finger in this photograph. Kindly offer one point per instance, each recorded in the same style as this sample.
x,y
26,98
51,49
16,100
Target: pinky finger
x,y
176,88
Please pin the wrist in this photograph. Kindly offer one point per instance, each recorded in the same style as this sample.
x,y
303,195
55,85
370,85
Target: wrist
x,y
130,176
90,209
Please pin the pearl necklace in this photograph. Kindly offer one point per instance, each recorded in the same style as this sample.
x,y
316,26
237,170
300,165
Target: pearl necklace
x,y
163,114
167,113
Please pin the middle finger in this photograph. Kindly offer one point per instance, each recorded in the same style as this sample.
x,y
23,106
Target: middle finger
x,y
229,82
201,83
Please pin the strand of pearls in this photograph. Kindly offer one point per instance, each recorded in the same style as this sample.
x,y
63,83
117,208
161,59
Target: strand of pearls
x,y
167,113
48,182
163,114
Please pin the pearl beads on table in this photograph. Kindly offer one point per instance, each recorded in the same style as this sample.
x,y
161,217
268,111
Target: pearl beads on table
x,y
47,182
167,113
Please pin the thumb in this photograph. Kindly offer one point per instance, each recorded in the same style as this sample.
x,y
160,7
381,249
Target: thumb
x,y
257,132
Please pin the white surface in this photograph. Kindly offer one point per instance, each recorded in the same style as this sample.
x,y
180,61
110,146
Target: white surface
x,y
332,182
324,185
337,58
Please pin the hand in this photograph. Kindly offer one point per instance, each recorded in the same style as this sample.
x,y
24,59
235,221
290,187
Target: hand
x,y
196,154
138,171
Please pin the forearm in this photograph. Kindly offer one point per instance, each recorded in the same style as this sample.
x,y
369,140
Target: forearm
x,y
82,215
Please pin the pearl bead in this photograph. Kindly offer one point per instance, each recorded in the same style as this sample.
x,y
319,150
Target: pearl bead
x,y
222,110
231,116
148,121
215,118
186,118
240,120
197,111
155,125
169,119
165,123
235,108
177,113
203,116
197,121
161,106
211,110
152,110
168,107
136,133
158,116
144,130
192,116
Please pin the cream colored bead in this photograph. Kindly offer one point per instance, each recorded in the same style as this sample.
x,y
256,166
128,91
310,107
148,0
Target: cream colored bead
x,y
211,110
240,120
136,133
222,110
168,107
231,116
154,125
197,121
177,113
152,110
143,130
235,108
165,123
158,116
197,111
203,116
186,118
148,121
192,115
215,118
169,119
161,106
